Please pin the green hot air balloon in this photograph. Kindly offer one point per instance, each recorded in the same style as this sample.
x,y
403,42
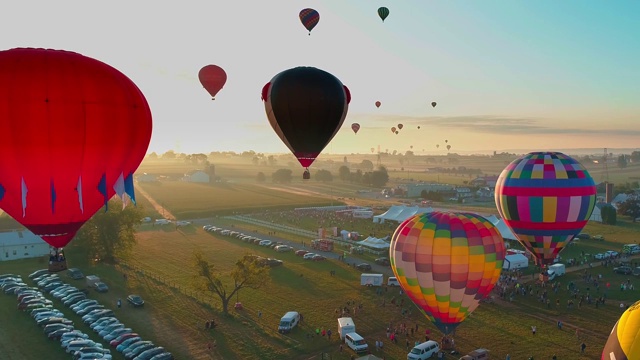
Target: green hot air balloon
x,y
383,12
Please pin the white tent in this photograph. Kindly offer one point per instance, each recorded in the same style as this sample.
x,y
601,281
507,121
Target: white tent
x,y
596,215
515,261
502,228
400,213
374,243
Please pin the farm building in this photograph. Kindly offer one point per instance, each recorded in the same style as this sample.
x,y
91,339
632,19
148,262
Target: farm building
x,y
488,181
21,245
415,190
197,176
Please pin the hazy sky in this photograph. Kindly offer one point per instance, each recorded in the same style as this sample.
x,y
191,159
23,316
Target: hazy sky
x,y
525,74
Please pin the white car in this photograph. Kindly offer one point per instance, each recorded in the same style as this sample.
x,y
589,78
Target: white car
x,y
183,223
265,242
162,222
612,253
599,257
309,256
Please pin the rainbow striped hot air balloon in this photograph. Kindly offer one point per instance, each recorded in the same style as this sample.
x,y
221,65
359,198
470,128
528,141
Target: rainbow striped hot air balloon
x,y
545,198
624,340
446,263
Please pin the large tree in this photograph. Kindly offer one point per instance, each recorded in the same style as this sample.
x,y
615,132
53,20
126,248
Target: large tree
x,y
631,207
247,273
110,234
344,173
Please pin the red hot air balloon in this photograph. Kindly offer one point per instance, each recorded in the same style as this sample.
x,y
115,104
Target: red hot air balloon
x,y
309,18
355,127
74,131
306,107
212,78
378,103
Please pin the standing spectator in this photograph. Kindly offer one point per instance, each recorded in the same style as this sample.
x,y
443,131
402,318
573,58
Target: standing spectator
x,y
533,330
582,347
119,303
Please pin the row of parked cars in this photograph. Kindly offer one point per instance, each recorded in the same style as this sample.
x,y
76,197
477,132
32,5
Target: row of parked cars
x,y
277,246
95,315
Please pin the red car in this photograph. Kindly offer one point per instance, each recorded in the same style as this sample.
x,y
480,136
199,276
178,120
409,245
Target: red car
x,y
301,252
117,341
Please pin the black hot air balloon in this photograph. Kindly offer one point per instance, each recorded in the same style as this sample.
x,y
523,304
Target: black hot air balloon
x,y
305,107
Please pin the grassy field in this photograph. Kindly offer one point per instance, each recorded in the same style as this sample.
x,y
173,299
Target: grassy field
x,y
173,316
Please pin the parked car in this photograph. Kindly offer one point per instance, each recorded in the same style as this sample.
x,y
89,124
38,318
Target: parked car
x,y
318,257
135,300
383,261
364,267
626,270
75,274
301,252
598,237
309,256
101,287
583,236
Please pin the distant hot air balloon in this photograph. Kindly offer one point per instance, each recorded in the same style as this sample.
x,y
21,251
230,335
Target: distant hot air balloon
x,y
400,126
433,104
378,103
306,107
212,78
397,132
372,150
446,141
624,340
446,263
437,146
74,131
418,127
411,146
383,12
545,198
448,147
309,18
393,129
355,127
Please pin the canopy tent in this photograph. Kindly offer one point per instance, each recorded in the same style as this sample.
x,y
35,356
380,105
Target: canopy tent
x,y
400,213
502,227
374,243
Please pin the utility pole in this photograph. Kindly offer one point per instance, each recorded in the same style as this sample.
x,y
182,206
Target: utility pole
x,y
605,169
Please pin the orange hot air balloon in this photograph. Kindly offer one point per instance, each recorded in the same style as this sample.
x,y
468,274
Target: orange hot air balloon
x,y
212,78
378,103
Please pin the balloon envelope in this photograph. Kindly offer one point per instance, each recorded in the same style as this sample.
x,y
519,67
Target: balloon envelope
x,y
305,107
545,198
446,263
383,12
624,340
212,78
74,132
355,127
400,126
309,18
393,129
378,103
433,104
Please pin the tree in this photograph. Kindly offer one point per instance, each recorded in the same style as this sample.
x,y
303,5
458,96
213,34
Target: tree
x,y
152,156
380,177
631,207
324,176
247,273
635,156
110,234
261,177
622,161
366,165
169,155
608,214
344,173
282,176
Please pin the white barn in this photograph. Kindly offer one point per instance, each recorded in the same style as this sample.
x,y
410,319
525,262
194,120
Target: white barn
x,y
21,244
197,176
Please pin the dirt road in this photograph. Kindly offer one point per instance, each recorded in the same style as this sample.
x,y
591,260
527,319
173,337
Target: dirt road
x,y
161,210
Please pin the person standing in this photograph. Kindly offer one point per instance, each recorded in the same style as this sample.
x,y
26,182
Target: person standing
x,y
582,347
119,303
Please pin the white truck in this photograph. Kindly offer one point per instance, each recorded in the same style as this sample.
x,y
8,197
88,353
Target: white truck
x,y
345,326
371,279
558,269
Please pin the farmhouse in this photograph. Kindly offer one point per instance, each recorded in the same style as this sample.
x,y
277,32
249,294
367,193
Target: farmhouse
x,y
21,244
488,181
197,176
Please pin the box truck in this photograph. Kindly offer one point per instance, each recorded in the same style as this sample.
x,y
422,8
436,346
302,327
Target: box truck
x,y
559,269
371,279
345,326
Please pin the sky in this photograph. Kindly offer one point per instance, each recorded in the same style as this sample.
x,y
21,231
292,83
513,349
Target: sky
x,y
535,75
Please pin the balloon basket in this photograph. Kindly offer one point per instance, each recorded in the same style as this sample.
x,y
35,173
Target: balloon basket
x,y
447,343
306,175
57,266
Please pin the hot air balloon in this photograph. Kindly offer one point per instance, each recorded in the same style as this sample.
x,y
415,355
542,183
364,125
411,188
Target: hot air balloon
x,y
411,146
624,340
372,150
400,126
393,129
437,146
448,147
306,107
433,104
383,12
378,103
397,132
446,263
74,131
446,141
418,127
355,127
212,78
309,18
545,198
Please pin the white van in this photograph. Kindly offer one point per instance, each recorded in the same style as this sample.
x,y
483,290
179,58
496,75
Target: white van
x,y
424,351
288,322
392,281
356,342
